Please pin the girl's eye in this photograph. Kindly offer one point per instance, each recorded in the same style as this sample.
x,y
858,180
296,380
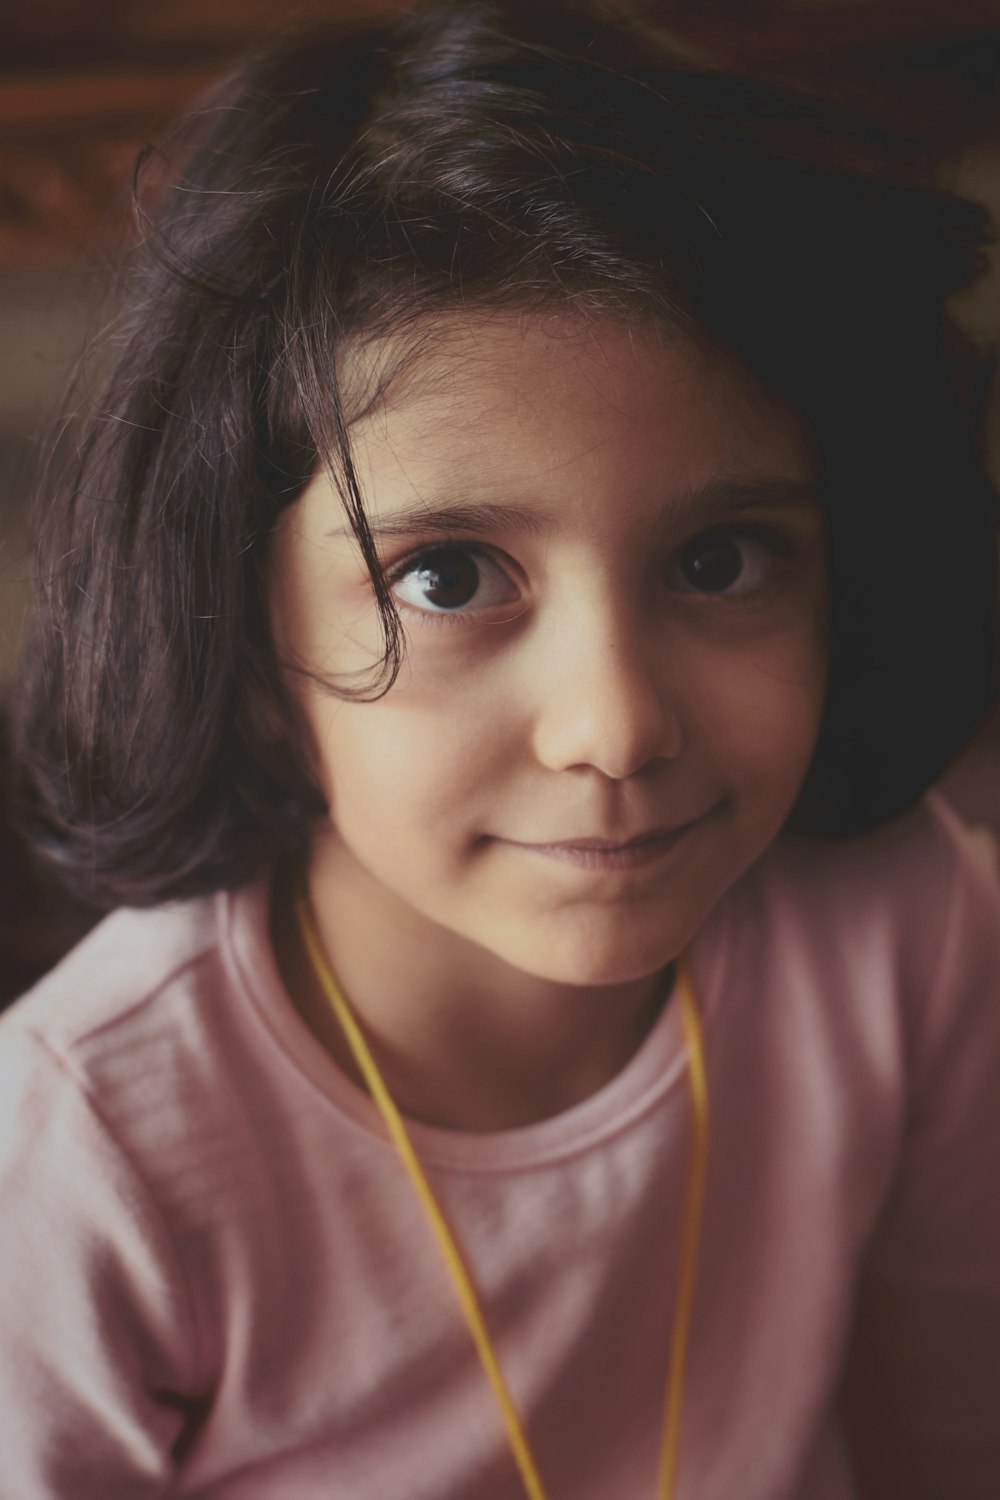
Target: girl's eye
x,y
451,579
724,563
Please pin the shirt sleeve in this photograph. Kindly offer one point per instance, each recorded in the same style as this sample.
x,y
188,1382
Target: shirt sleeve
x,y
97,1367
922,1387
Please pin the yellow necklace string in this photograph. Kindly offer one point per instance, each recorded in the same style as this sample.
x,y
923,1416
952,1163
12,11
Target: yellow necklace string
x,y
694,1194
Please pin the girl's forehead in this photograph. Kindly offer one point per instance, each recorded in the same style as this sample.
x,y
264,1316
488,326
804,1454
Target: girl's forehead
x,y
455,358
511,422
463,384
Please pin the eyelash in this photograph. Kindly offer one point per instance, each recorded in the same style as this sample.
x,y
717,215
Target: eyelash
x,y
783,547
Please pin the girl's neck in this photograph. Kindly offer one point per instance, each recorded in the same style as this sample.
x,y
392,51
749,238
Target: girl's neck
x,y
465,1041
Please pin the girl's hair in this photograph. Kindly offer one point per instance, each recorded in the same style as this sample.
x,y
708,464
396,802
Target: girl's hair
x,y
476,155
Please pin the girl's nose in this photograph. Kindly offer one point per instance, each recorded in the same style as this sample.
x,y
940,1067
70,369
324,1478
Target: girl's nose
x,y
606,704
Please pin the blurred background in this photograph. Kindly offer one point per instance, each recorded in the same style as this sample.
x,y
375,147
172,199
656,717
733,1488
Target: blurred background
x,y
84,84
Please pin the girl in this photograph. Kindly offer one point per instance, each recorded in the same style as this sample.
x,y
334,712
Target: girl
x,y
527,567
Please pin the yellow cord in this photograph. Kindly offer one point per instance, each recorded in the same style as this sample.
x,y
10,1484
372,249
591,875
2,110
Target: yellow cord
x,y
694,1198
694,1194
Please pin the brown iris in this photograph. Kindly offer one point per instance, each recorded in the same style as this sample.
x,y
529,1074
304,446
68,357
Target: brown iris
x,y
448,578
712,563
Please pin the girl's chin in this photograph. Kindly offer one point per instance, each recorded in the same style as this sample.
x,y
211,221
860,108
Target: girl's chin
x,y
583,967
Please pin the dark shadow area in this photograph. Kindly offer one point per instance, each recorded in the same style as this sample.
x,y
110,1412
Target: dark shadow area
x,y
38,921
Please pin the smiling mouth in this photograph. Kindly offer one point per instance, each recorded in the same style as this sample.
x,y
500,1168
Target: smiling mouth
x,y
604,854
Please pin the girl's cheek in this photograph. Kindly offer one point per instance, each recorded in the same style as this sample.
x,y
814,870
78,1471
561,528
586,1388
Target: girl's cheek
x,y
761,702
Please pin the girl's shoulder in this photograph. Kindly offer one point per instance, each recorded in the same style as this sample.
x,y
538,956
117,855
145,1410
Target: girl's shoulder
x,y
118,971
151,995
902,922
917,863
138,1037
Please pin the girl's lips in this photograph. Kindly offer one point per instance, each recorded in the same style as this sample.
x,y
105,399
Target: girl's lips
x,y
601,854
639,838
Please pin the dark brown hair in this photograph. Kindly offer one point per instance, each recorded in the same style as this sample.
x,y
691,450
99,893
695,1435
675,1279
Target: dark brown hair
x,y
482,153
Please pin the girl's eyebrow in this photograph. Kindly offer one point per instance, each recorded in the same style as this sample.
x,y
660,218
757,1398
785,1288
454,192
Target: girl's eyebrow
x,y
481,518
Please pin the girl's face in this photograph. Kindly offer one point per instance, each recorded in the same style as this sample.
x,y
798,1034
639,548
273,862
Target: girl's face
x,y
609,561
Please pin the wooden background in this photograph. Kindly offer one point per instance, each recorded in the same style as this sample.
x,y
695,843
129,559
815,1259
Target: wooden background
x,y
84,82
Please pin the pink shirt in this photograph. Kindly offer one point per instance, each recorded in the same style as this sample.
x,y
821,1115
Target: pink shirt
x,y
215,1280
